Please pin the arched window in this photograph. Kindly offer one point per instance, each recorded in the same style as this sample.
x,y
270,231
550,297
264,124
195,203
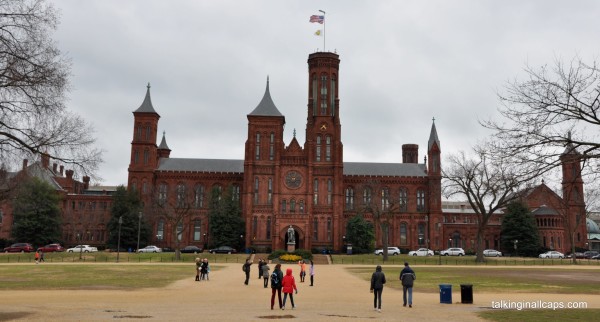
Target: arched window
x,y
270,192
301,205
318,151
257,146
328,229
349,198
254,227
315,94
197,230
268,227
146,156
420,200
332,91
179,230
162,193
293,205
385,198
235,192
272,147
323,94
148,133
329,191
421,234
403,201
181,195
328,148
283,206
199,196
403,234
256,190
315,229
367,196
160,230
316,192
136,156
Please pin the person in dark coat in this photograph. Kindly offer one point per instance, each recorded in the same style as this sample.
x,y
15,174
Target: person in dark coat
x,y
377,281
407,276
276,285
260,265
246,269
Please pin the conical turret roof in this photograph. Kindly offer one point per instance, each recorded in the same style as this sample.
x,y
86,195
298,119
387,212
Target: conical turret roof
x,y
146,106
433,137
163,143
266,107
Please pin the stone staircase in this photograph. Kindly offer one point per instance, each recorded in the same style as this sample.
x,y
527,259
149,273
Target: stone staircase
x,y
320,259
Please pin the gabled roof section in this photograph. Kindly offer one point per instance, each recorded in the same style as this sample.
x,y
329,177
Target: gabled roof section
x,y
38,171
544,211
163,143
433,137
294,146
201,165
266,107
146,106
384,169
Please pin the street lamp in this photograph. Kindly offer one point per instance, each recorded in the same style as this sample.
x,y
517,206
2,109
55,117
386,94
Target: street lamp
x,y
205,241
139,228
242,244
119,237
515,242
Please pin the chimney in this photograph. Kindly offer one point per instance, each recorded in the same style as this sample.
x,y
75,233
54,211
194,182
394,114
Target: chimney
x,y
410,153
54,165
62,168
69,174
25,161
86,182
45,160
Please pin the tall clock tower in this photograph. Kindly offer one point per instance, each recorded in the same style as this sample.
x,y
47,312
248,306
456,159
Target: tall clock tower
x,y
323,145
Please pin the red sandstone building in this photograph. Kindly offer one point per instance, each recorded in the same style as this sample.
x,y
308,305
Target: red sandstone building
x,y
309,187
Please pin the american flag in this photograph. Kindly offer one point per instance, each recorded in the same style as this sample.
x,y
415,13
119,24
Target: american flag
x,y
317,18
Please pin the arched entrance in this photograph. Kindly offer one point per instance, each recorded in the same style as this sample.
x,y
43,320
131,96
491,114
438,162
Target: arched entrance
x,y
297,236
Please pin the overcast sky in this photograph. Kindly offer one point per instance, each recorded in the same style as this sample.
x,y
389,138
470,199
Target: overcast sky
x,y
402,63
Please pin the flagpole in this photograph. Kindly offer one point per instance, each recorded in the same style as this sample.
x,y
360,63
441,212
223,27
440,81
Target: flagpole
x,y
324,22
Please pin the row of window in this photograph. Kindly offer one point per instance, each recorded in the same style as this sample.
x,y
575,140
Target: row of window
x,y
182,197
136,156
196,229
329,196
139,132
90,205
386,199
322,94
319,148
271,146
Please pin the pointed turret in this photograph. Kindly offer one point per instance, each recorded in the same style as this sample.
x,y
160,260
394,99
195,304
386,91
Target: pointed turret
x,y
266,107
146,106
163,148
433,137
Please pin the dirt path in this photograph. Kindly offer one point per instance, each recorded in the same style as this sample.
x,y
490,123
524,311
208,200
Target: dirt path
x,y
336,296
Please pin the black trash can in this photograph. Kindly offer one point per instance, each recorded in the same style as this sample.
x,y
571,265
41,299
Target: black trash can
x,y
466,293
446,293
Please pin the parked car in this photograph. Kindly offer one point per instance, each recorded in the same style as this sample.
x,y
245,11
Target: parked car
x,y
552,254
19,248
391,251
223,250
577,255
453,252
421,252
191,249
596,257
82,249
492,253
150,249
590,253
51,248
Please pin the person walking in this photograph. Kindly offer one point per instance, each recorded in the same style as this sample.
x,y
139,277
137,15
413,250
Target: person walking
x,y
246,269
288,285
377,281
407,276
260,265
198,268
276,278
302,270
37,257
311,271
42,256
265,274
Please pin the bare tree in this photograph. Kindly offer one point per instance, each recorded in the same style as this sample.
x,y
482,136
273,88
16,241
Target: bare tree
x,y
34,81
550,108
488,184
381,208
176,210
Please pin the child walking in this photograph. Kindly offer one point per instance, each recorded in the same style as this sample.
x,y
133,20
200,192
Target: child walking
x,y
289,286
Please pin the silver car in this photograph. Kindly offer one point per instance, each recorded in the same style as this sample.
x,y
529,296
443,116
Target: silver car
x,y
150,249
492,253
552,254
421,252
454,251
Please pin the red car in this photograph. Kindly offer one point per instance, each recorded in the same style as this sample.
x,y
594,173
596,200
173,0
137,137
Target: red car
x,y
52,248
19,247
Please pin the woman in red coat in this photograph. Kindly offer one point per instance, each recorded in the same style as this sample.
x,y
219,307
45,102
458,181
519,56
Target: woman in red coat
x,y
288,285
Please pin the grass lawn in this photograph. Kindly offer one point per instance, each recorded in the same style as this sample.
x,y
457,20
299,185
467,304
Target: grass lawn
x,y
108,257
496,279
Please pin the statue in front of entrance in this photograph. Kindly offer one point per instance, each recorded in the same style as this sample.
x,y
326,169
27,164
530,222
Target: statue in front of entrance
x,y
291,235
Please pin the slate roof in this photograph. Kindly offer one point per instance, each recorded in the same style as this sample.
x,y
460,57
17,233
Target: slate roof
x,y
237,166
433,137
266,107
544,211
163,144
146,106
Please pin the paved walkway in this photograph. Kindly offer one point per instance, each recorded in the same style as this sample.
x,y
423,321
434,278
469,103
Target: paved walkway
x,y
336,296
